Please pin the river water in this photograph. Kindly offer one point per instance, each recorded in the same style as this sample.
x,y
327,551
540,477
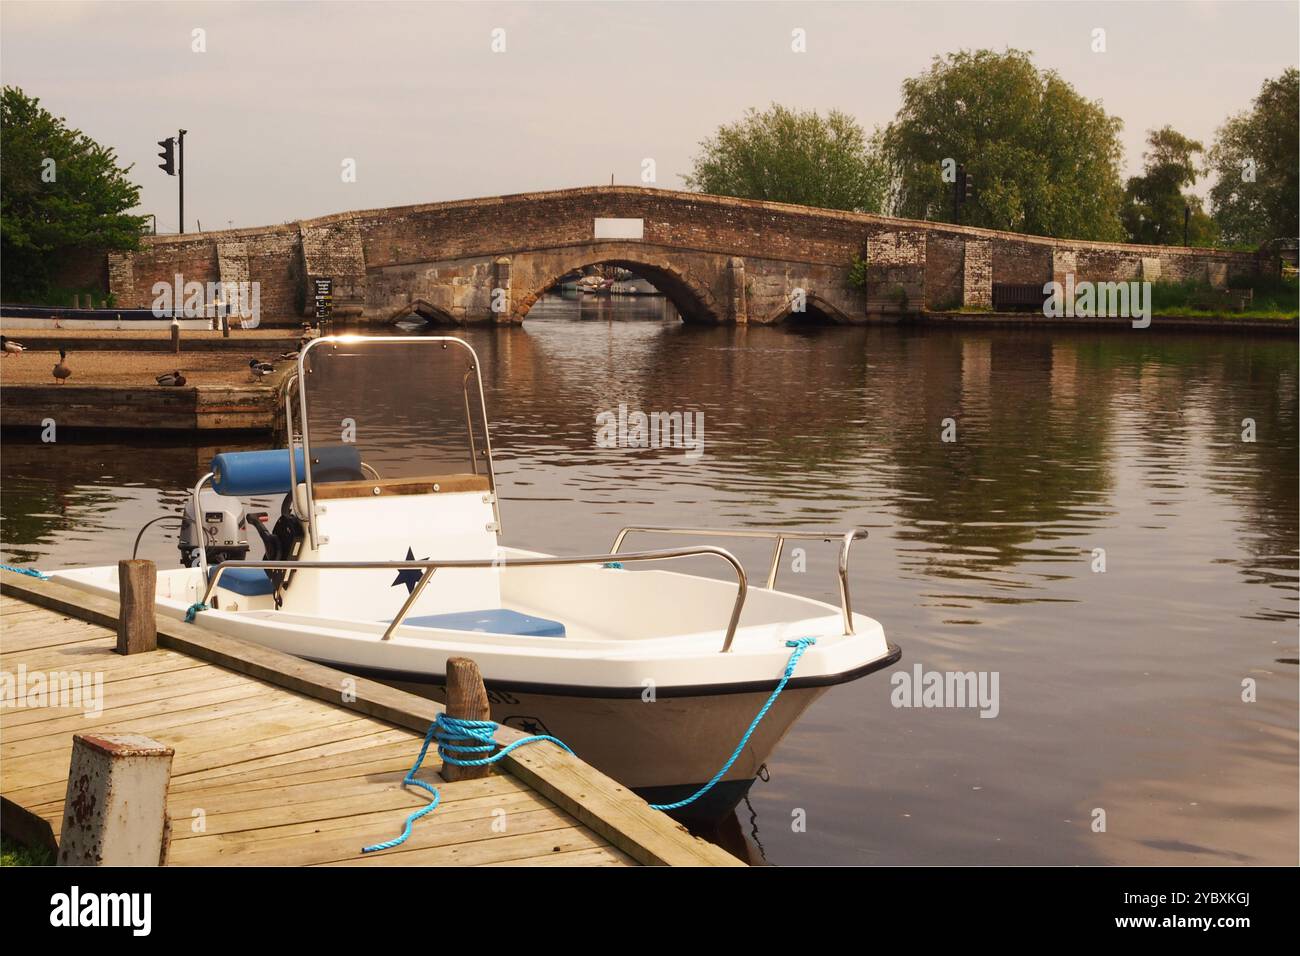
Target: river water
x,y
1121,734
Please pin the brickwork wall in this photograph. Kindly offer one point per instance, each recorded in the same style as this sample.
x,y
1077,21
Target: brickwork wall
x,y
1019,262
275,262
334,248
944,271
194,258
977,274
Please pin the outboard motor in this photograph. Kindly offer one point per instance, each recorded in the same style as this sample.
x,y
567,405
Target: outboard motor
x,y
223,530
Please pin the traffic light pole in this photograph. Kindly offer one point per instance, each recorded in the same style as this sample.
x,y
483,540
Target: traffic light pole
x,y
958,190
180,173
962,192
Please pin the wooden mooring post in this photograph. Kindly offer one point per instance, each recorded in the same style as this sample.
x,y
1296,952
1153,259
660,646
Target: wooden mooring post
x,y
137,619
466,699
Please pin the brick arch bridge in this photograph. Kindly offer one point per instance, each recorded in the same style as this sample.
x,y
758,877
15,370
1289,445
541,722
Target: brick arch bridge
x,y
719,259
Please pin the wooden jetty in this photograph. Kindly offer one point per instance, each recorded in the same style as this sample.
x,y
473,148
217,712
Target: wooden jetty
x,y
99,400
144,408
278,761
265,341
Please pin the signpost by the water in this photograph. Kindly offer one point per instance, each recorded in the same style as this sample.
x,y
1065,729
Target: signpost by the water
x,y
323,287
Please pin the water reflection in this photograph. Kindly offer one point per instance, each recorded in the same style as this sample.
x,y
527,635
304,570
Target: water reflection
x,y
1115,684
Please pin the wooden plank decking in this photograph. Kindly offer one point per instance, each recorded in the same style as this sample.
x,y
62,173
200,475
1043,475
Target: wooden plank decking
x,y
273,767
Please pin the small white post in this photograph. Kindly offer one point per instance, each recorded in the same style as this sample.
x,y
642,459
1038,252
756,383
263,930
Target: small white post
x,y
115,811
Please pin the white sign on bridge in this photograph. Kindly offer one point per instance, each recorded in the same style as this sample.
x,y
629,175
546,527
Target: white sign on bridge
x,y
620,229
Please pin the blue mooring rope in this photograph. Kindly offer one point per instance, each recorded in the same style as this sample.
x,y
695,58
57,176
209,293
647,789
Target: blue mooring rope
x,y
800,645
194,609
30,572
446,729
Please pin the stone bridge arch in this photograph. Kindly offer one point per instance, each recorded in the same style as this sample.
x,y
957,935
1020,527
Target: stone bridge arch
x,y
425,310
692,282
817,309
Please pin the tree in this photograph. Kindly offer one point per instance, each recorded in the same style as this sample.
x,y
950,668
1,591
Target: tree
x,y
59,191
784,155
1154,203
1044,159
1256,157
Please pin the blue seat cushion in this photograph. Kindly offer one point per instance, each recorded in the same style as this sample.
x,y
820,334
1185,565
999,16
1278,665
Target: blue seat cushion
x,y
248,581
493,621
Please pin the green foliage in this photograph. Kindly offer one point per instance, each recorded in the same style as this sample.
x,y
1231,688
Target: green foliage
x,y
62,295
1155,204
81,201
1269,136
858,272
18,854
1274,298
792,156
1045,160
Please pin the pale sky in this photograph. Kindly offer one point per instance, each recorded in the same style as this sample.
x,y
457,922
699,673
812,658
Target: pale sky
x,y
413,92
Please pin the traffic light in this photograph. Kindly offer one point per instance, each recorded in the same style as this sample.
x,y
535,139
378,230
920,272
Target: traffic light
x,y
168,155
967,187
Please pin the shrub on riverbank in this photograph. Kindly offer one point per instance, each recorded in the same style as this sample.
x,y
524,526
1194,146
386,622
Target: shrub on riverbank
x,y
17,854
1272,298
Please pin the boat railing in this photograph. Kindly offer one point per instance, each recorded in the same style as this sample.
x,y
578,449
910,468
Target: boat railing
x,y
779,537
430,566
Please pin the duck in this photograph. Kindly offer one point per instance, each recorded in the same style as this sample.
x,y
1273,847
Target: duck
x,y
11,347
290,356
171,378
61,371
260,369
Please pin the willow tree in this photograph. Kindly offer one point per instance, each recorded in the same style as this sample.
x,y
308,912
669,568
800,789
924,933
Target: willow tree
x,y
1044,159
60,192
792,156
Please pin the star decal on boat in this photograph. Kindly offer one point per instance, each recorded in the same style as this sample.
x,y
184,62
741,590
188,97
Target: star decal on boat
x,y
409,576
529,725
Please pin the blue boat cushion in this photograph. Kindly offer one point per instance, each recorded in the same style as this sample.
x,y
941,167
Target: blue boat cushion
x,y
493,621
244,473
248,581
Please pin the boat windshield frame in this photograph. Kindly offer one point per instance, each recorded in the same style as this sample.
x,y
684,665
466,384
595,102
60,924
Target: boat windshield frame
x,y
304,409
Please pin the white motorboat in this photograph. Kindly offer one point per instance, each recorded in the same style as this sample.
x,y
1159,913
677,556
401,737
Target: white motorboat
x,y
386,560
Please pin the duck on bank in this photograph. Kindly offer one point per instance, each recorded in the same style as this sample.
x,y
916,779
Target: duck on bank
x,y
61,371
